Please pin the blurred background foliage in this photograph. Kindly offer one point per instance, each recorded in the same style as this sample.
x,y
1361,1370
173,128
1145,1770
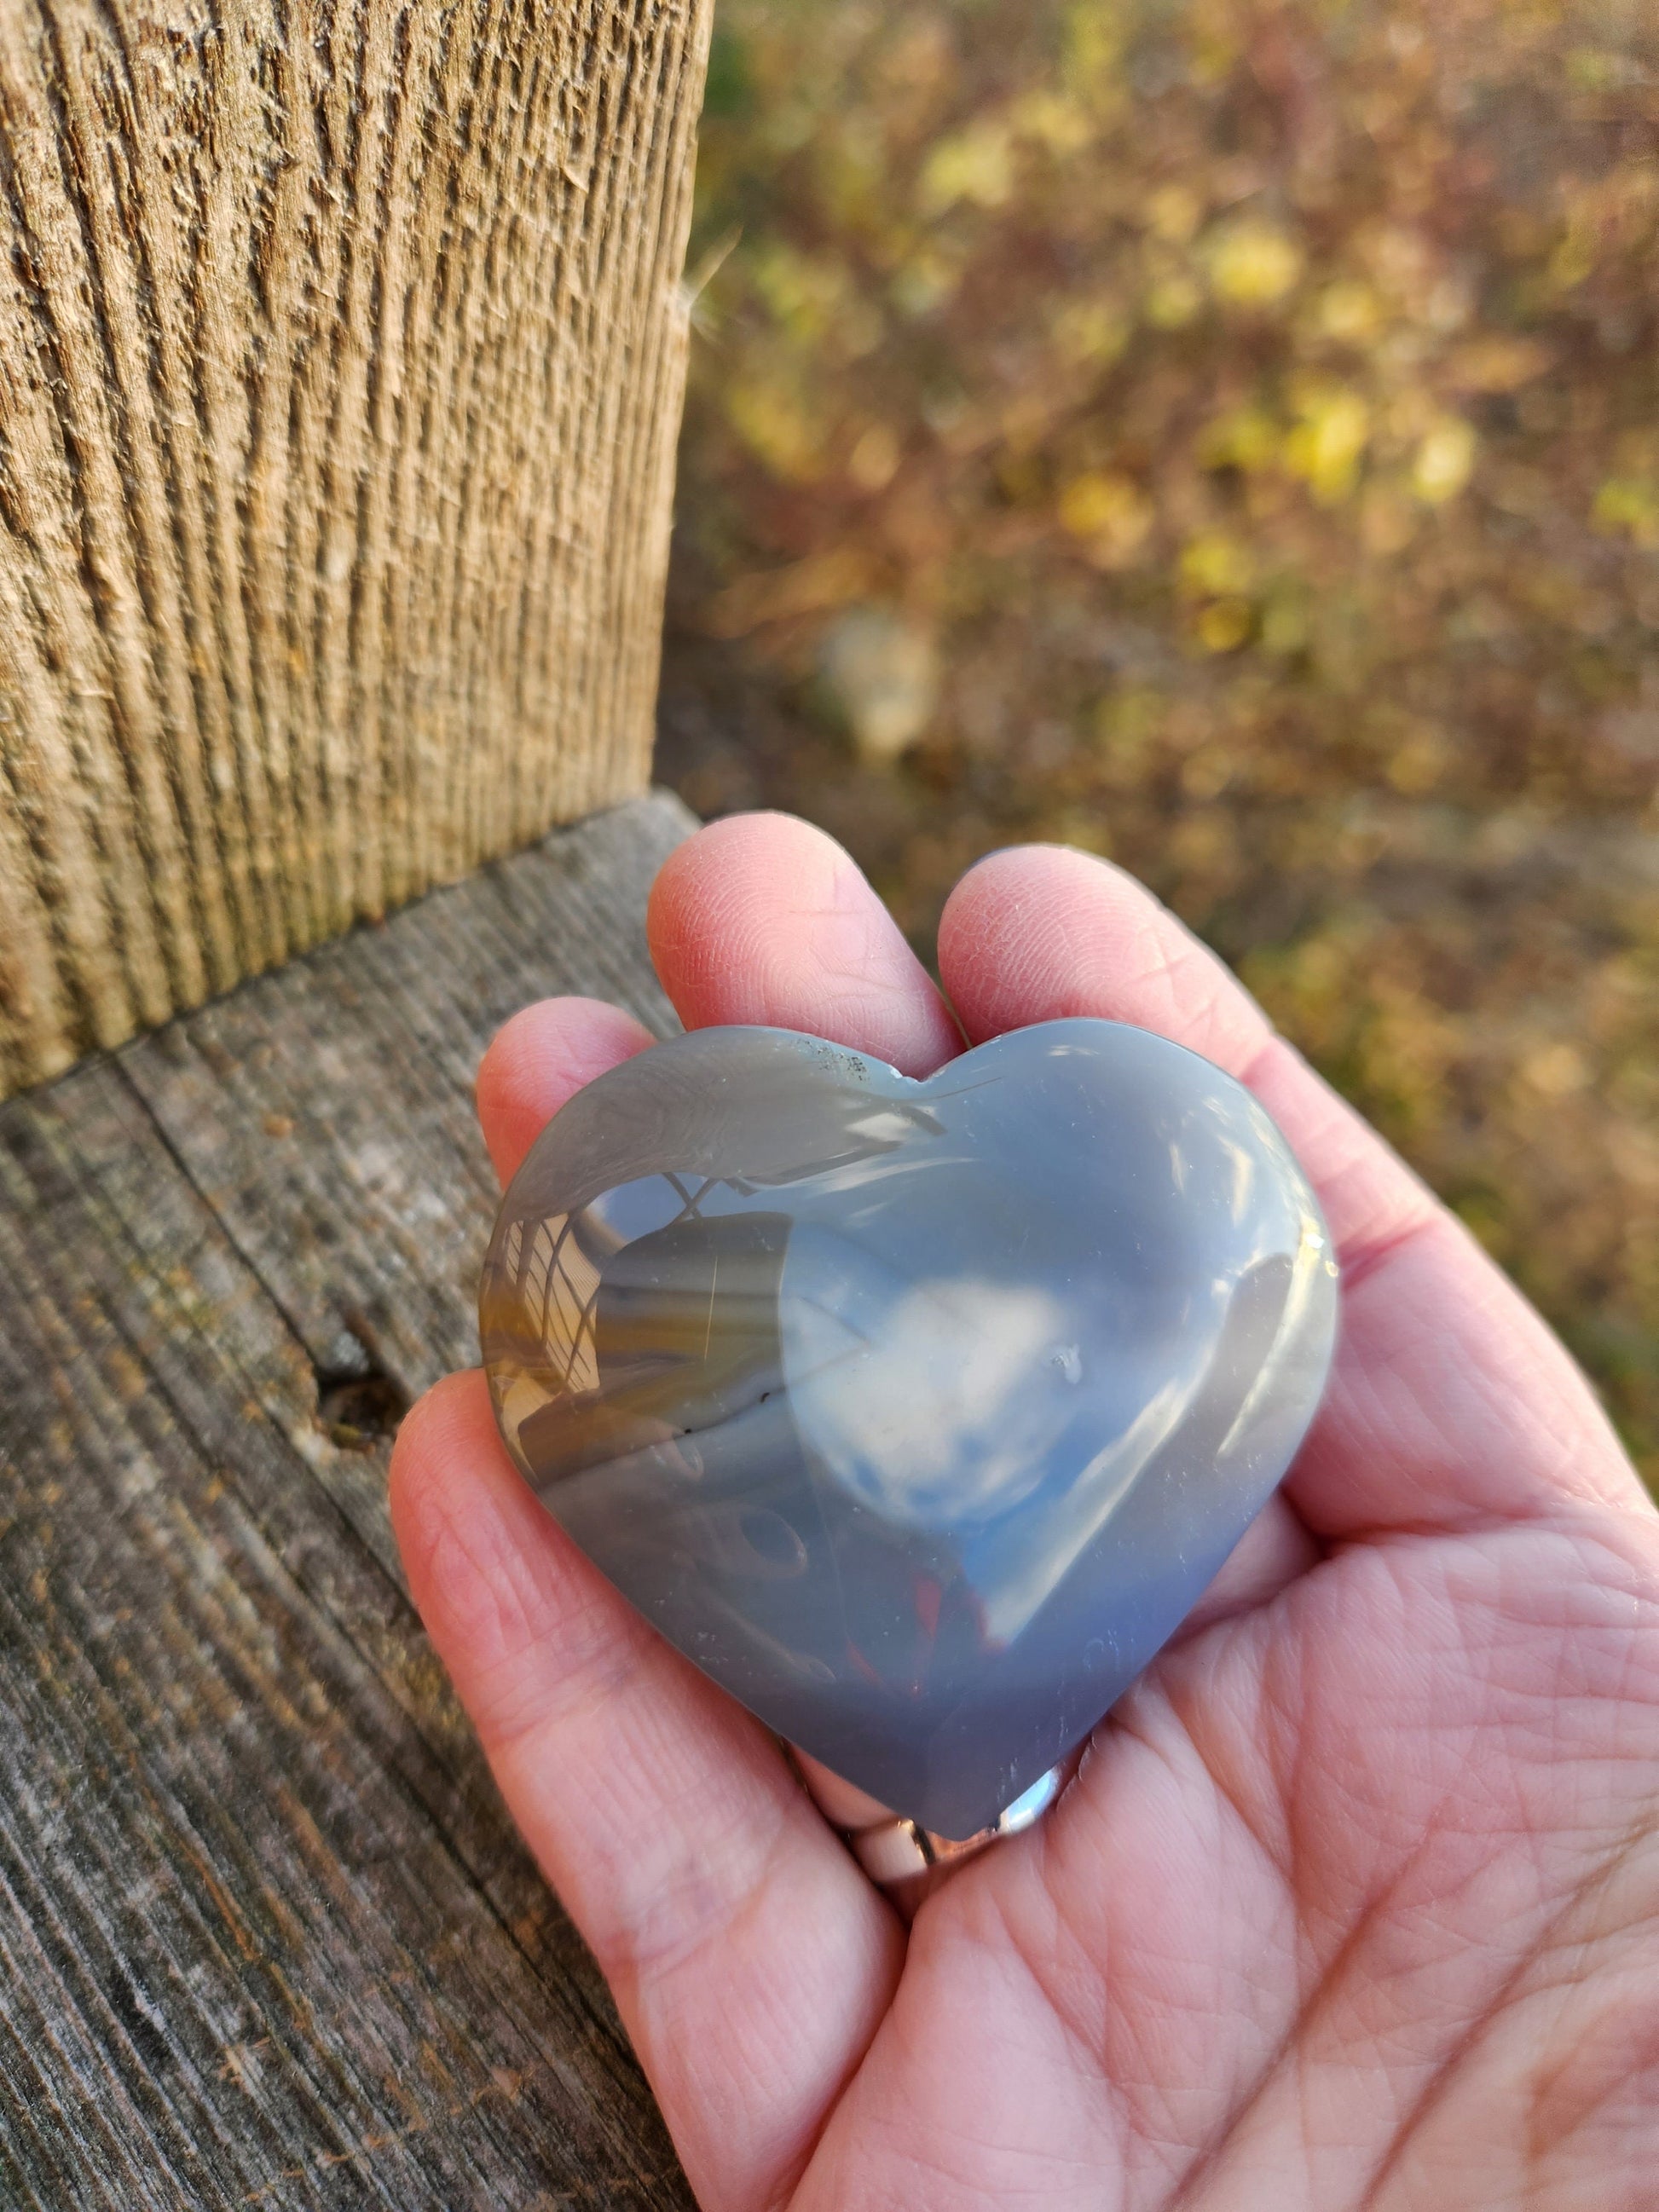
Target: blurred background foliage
x,y
1224,435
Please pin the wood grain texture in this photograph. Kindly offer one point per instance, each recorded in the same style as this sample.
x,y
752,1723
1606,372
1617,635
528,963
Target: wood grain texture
x,y
342,345
266,1937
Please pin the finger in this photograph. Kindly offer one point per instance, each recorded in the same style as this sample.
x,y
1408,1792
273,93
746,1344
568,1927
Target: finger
x,y
761,918
1450,1401
750,1958
539,1059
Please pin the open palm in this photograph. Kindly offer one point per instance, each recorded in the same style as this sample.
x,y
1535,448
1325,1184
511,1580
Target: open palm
x,y
1354,1899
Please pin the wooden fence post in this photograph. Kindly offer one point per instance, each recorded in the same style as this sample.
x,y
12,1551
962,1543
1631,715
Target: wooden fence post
x,y
341,347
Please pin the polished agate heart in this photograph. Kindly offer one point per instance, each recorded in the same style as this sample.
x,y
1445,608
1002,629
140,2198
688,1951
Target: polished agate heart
x,y
916,1415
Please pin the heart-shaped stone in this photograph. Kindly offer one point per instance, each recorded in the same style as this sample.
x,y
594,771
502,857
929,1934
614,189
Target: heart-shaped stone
x,y
916,1415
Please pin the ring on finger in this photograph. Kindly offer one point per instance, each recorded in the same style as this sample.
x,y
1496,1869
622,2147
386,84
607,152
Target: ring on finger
x,y
894,1850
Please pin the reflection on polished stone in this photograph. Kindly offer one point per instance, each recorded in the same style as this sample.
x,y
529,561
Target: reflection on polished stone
x,y
917,1414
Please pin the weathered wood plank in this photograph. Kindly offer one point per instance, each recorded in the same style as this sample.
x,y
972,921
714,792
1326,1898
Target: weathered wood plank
x,y
265,1936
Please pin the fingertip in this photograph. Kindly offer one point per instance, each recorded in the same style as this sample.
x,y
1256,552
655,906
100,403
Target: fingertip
x,y
1046,932
763,918
539,1059
721,862
991,933
702,891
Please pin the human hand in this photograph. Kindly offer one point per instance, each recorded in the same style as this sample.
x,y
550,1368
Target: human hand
x,y
1353,1900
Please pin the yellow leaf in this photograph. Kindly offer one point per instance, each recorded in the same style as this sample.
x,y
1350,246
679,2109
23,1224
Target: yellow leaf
x,y
777,427
1063,126
1172,300
1444,463
1571,261
1285,625
1224,625
1245,439
1095,39
1090,332
1630,504
1349,312
1556,1070
923,281
975,165
1418,762
1217,565
1254,264
1327,444
1174,212
1108,511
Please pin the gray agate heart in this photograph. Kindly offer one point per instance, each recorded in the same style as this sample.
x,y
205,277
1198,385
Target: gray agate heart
x,y
916,1415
